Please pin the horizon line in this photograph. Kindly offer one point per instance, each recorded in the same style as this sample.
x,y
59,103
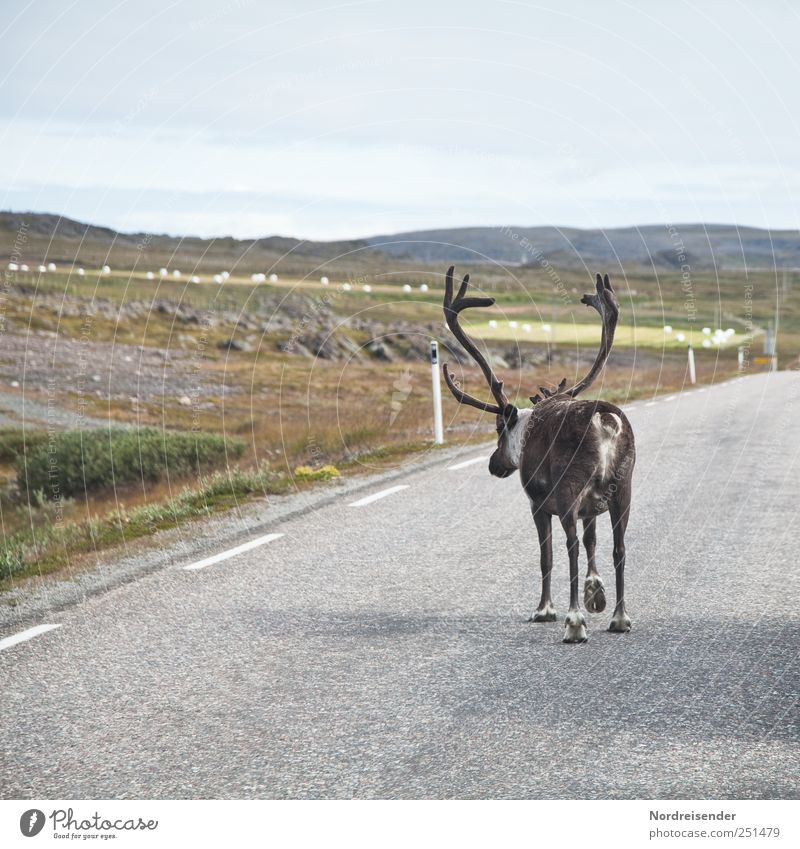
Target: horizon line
x,y
555,227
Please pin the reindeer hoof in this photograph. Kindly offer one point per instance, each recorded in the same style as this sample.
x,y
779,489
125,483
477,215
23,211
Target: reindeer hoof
x,y
544,614
620,624
575,630
594,595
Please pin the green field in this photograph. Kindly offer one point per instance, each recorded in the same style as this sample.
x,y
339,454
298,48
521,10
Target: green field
x,y
351,409
575,335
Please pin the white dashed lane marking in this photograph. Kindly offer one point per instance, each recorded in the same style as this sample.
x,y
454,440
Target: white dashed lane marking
x,y
362,502
465,463
23,636
16,639
232,552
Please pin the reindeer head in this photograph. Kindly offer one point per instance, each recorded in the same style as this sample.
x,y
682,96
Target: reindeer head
x,y
510,424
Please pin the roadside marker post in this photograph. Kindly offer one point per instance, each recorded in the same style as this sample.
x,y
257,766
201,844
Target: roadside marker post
x,y
438,431
692,372
770,345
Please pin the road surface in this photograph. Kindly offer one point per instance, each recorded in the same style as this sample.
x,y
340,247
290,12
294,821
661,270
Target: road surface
x,y
383,650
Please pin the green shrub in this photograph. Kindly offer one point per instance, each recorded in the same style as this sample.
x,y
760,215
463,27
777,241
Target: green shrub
x,y
75,462
12,558
16,440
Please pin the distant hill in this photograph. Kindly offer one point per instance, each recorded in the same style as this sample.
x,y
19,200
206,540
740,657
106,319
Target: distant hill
x,y
721,246
43,236
703,247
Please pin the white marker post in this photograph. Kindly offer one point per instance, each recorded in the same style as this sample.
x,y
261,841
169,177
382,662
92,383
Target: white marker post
x,y
692,372
770,346
438,432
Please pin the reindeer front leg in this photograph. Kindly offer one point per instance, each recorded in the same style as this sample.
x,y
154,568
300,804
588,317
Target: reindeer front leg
x,y
575,630
545,612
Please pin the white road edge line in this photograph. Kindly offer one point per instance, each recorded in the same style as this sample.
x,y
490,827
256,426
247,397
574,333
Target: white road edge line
x,y
362,502
465,463
15,639
650,404
232,552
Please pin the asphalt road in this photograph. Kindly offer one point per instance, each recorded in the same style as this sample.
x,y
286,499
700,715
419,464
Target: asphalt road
x,y
383,650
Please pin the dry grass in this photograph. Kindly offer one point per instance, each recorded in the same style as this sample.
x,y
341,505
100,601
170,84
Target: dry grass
x,y
355,415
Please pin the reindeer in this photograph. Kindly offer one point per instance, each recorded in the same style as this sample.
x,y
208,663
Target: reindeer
x,y
575,460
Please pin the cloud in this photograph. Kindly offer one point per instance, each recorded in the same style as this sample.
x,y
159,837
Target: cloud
x,y
366,117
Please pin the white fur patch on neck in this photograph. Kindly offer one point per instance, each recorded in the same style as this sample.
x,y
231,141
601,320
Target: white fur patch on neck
x,y
515,437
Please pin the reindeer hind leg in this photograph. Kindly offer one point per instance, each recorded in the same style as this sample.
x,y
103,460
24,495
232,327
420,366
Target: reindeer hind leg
x,y
619,509
575,622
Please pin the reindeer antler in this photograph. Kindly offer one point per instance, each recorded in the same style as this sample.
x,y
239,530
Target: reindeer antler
x,y
605,302
452,308
548,393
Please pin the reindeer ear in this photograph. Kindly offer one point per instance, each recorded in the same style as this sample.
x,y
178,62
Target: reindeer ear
x,y
607,283
535,399
510,414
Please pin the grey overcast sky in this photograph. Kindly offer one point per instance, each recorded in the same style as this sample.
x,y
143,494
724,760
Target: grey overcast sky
x,y
346,119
